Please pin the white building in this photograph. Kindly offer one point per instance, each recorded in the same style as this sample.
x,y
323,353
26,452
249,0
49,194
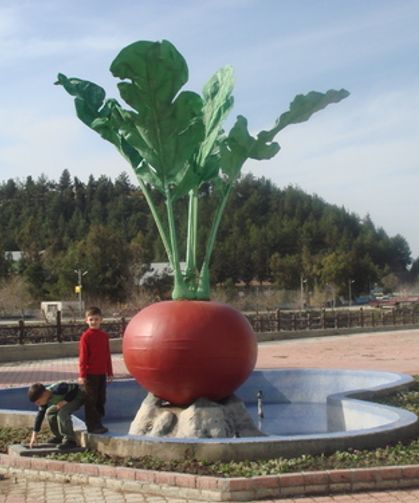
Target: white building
x,y
14,256
158,270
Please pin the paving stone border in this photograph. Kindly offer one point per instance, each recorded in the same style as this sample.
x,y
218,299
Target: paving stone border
x,y
208,488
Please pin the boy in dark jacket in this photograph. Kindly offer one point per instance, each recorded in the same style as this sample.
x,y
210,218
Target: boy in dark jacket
x,y
57,401
95,369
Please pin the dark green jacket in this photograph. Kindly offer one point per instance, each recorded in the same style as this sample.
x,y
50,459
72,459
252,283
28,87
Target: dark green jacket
x,y
60,391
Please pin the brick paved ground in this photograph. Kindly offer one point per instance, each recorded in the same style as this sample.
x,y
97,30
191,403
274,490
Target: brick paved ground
x,y
23,491
396,351
391,351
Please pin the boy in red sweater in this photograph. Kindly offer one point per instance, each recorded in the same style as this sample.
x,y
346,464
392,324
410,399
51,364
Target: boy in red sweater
x,y
95,369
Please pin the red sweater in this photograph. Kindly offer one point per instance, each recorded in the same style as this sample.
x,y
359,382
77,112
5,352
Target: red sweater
x,y
94,353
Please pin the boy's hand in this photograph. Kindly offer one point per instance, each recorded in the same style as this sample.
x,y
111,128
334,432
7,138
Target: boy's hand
x,y
32,441
109,379
61,404
81,380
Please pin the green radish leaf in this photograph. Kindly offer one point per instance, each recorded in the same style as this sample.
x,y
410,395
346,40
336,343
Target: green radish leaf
x,y
302,108
166,128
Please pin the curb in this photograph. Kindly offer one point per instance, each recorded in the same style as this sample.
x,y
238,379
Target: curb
x,y
291,335
208,488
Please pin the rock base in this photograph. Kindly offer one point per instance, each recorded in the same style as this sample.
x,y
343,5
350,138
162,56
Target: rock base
x,y
202,419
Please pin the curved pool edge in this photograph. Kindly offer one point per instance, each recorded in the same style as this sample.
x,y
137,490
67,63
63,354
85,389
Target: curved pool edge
x,y
248,449
400,424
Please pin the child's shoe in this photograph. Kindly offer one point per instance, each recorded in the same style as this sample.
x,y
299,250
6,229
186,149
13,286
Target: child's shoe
x,y
99,430
67,444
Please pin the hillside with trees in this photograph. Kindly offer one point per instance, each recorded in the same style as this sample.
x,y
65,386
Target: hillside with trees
x,y
281,236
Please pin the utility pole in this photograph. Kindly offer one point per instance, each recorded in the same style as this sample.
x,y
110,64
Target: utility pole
x,y
79,288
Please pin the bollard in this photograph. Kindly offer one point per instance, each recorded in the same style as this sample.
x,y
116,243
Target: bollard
x,y
259,396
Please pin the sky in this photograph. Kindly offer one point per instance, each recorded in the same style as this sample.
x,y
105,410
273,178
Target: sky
x,y
360,154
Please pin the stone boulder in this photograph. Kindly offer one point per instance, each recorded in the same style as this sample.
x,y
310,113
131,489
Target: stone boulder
x,y
202,419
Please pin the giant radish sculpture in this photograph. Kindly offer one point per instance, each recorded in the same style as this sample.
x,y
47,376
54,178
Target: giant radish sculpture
x,y
189,347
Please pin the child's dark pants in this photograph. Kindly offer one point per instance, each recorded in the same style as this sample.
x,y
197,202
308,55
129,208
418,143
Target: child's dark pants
x,y
60,420
95,401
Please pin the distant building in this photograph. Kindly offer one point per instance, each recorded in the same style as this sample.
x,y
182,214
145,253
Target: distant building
x,y
17,256
68,309
158,270
14,256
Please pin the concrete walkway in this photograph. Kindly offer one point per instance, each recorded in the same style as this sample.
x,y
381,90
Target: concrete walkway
x,y
391,351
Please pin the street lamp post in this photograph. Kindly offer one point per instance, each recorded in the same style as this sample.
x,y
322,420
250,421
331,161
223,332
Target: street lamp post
x,y
330,291
302,282
79,287
350,281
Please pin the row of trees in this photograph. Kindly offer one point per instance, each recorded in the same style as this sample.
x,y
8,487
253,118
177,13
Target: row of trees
x,y
268,234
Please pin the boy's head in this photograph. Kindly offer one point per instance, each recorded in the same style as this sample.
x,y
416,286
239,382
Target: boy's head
x,y
38,394
94,317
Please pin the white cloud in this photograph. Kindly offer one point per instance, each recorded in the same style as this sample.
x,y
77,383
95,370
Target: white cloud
x,y
48,145
9,22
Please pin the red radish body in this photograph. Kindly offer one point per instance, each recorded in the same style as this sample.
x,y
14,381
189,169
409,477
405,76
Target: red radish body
x,y
184,350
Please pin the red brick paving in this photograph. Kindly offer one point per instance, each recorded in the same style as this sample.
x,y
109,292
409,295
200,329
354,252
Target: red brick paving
x,y
396,351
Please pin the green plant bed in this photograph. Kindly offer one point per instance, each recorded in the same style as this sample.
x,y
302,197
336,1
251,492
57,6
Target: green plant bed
x,y
10,436
399,454
406,400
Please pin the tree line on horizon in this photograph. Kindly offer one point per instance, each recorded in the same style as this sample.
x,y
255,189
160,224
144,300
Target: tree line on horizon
x,y
268,235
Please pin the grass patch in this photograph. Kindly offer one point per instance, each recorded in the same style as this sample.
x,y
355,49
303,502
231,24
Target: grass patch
x,y
399,454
